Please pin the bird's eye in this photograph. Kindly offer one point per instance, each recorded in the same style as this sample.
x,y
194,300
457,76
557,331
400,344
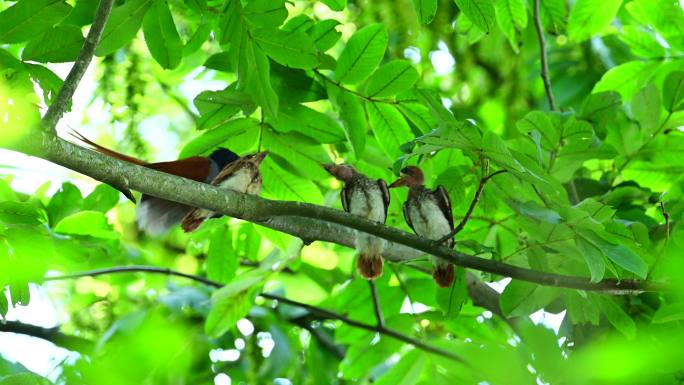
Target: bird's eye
x,y
404,170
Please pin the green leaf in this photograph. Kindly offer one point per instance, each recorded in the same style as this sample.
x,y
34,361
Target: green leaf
x,y
265,13
231,303
589,17
21,212
405,372
293,49
296,153
335,5
511,15
673,91
642,42
46,79
627,78
353,119
325,34
300,22
617,317
669,312
26,378
392,78
218,107
65,202
82,14
593,255
451,299
363,52
27,19
553,14
90,223
102,199
618,253
480,13
280,184
389,127
123,24
210,139
161,35
316,125
646,109
522,298
57,45
426,10
257,80
222,262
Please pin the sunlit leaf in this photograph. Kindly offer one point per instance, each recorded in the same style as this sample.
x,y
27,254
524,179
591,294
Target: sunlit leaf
x,y
362,54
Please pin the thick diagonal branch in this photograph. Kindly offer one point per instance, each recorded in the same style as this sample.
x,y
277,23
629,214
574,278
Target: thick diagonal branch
x,y
306,221
53,335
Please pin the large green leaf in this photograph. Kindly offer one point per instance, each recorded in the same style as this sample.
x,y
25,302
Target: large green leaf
x,y
389,127
353,118
316,125
297,153
218,107
392,78
280,184
480,12
363,52
593,255
28,19
222,263
627,78
293,49
405,372
210,139
325,34
426,10
522,298
553,14
335,5
21,212
673,91
511,15
265,13
122,26
617,317
59,44
588,17
232,302
161,35
91,223
254,74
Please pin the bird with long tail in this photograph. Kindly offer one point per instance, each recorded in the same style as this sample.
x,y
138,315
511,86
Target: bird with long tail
x,y
367,198
428,213
155,215
242,175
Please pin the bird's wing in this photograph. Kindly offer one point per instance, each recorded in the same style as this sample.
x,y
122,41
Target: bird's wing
x,y
228,171
345,196
382,185
106,151
195,168
407,215
444,203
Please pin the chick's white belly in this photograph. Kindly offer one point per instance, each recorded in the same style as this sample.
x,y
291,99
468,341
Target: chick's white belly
x,y
238,181
370,205
429,220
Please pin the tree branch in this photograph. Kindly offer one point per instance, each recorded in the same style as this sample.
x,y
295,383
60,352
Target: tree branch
x,y
53,335
473,204
312,309
542,53
57,108
376,305
302,220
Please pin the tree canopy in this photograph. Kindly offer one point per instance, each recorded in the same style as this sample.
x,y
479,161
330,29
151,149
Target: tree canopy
x,y
556,127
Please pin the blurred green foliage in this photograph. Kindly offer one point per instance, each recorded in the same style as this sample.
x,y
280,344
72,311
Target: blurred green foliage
x,y
594,190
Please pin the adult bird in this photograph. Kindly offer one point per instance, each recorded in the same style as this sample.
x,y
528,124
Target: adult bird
x,y
155,215
367,198
428,213
241,175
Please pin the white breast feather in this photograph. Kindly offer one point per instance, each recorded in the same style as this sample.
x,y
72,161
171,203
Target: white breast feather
x,y
436,226
238,181
373,208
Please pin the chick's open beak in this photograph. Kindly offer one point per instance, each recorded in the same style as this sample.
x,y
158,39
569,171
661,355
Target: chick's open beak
x,y
258,157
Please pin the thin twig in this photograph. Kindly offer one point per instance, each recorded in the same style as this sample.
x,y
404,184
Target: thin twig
x,y
473,204
666,215
313,309
376,304
57,108
544,61
345,89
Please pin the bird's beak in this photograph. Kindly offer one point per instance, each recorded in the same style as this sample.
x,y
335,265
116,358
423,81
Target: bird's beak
x,y
258,157
329,167
399,182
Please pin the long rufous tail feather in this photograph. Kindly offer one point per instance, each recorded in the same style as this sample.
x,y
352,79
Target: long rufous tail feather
x,y
369,265
443,274
105,150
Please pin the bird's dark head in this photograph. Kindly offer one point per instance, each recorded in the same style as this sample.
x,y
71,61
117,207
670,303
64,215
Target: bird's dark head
x,y
343,172
223,157
410,176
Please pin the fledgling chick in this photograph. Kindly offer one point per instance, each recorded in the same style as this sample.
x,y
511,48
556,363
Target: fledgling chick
x,y
369,199
428,213
241,175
